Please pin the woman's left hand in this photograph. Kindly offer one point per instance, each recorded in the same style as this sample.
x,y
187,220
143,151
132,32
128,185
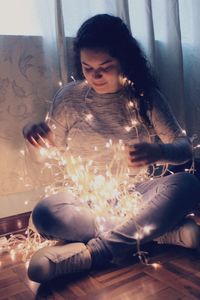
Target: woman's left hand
x,y
143,154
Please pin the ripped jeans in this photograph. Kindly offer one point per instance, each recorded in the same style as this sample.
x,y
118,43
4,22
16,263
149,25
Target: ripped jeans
x,y
169,199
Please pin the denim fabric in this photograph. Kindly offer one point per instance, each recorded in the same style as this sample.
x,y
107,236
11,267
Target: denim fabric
x,y
63,217
168,200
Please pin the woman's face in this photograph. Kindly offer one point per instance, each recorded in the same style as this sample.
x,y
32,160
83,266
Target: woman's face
x,y
101,70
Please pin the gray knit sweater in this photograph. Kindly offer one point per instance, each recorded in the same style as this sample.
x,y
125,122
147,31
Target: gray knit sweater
x,y
87,123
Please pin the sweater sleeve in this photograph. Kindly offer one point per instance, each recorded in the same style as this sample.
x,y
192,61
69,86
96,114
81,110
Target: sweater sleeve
x,y
175,146
57,119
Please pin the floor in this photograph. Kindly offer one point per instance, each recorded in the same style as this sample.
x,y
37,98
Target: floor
x,y
178,277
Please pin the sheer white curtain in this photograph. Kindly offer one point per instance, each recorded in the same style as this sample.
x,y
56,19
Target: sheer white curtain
x,y
36,59
168,32
190,22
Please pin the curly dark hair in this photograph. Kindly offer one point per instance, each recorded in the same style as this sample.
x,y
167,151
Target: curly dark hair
x,y
110,34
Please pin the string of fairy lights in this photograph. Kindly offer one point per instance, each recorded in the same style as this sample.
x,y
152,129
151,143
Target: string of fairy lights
x,y
109,194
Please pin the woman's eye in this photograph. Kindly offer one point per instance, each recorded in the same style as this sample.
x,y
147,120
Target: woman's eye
x,y
87,69
109,68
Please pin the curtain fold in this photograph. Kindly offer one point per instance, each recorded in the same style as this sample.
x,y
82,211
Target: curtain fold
x,y
122,9
190,22
167,31
61,41
169,58
142,27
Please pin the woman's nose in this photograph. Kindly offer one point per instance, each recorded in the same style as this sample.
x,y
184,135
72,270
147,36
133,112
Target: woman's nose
x,y
97,74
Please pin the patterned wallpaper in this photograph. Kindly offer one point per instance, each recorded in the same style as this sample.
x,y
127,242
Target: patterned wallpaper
x,y
27,84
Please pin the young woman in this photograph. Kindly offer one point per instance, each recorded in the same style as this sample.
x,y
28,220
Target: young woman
x,y
116,99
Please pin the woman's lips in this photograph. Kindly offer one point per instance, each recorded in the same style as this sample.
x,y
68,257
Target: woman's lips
x,y
99,84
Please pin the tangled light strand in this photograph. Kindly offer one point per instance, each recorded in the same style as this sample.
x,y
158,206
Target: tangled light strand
x,y
104,194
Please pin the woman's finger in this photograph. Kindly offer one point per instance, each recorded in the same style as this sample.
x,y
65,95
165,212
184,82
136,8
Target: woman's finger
x,y
47,134
137,165
136,152
39,135
138,158
34,142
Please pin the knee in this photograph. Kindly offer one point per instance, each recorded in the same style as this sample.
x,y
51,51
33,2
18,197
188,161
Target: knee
x,y
189,182
186,178
47,211
42,217
40,268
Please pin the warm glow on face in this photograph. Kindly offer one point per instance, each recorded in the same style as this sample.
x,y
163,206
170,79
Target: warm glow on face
x,y
101,71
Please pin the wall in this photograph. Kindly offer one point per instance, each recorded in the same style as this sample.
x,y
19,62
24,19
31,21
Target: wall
x,y
27,85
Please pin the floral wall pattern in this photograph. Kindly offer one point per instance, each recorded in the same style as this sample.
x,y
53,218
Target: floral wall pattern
x,y
27,86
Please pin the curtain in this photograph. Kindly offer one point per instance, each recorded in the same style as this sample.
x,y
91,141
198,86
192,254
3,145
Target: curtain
x,y
36,59
168,33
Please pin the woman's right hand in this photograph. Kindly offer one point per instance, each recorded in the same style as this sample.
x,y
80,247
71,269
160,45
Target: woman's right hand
x,y
39,135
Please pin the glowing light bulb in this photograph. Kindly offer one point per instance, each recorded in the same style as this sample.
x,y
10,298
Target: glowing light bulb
x,y
110,141
191,215
27,264
90,163
138,236
13,254
108,145
20,246
72,77
99,181
43,151
130,104
89,117
156,265
101,228
60,83
19,224
22,152
134,122
62,162
128,128
147,229
47,117
184,131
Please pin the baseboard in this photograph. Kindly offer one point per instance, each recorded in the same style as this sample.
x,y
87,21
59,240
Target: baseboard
x,y
14,224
